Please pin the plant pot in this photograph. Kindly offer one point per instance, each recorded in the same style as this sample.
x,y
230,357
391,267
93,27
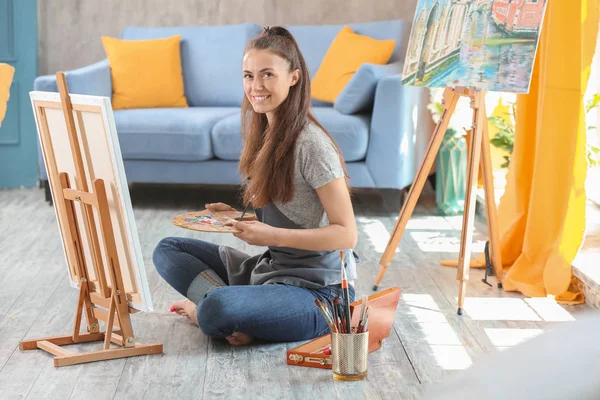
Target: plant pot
x,y
451,174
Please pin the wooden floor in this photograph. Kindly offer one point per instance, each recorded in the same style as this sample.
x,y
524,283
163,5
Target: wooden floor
x,y
429,340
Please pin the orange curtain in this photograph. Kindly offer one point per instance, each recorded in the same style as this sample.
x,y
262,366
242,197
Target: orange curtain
x,y
542,212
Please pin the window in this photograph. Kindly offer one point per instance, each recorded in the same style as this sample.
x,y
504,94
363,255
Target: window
x,y
593,130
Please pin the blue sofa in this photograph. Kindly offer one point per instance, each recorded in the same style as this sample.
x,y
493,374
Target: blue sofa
x,y
377,125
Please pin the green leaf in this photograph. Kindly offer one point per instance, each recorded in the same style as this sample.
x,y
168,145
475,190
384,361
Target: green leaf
x,y
593,103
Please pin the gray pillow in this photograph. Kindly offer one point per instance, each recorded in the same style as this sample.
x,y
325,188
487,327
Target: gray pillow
x,y
359,92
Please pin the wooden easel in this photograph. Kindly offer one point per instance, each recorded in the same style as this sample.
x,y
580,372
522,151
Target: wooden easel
x,y
479,150
98,301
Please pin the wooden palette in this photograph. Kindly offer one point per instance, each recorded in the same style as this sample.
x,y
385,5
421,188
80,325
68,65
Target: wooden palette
x,y
211,221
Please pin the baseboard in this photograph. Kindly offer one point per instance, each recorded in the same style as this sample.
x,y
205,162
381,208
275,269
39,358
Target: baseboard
x,y
585,265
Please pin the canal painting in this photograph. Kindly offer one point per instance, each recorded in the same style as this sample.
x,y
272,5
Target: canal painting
x,y
482,44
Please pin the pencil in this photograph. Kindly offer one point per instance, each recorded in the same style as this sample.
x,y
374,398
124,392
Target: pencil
x,y
366,321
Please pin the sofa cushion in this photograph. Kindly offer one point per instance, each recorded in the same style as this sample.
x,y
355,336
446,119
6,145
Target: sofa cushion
x,y
314,41
211,59
226,138
359,93
158,84
347,53
180,134
6,76
351,132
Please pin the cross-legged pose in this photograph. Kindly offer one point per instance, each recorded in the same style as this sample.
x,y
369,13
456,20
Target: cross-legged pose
x,y
298,186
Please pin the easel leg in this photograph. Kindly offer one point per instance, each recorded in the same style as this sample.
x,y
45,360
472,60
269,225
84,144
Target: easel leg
x,y
109,324
490,203
81,271
450,100
464,257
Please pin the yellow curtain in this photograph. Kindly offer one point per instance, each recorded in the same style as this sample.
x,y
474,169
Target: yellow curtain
x,y
542,212
6,76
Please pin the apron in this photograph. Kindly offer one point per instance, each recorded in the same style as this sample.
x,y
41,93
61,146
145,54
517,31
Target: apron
x,y
306,268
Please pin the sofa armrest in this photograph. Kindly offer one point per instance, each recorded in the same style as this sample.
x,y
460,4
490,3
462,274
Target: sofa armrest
x,y
45,83
94,79
401,127
359,93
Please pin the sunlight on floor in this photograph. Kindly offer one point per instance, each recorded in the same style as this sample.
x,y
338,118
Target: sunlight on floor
x,y
549,309
376,232
504,338
428,222
513,309
499,309
435,242
444,340
445,345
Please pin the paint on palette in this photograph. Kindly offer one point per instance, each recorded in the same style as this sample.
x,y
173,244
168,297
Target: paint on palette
x,y
209,221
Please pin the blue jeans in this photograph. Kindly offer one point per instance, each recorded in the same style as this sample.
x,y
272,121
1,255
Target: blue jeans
x,y
271,312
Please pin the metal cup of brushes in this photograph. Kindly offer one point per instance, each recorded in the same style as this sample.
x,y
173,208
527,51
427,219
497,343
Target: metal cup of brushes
x,y
350,355
349,344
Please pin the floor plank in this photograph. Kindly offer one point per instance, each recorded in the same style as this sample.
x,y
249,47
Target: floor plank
x,y
23,369
428,342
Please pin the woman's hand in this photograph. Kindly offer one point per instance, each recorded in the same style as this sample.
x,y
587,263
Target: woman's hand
x,y
255,233
219,207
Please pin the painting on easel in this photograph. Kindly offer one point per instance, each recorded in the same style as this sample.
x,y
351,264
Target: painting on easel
x,y
481,44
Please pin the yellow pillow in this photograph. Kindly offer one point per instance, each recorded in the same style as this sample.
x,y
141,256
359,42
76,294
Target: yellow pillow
x,y
345,55
6,77
145,73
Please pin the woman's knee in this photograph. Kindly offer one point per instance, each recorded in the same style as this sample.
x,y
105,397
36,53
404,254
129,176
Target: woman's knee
x,y
217,316
161,254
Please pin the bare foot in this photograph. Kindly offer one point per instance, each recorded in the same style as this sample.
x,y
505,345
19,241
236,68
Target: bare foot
x,y
239,339
185,308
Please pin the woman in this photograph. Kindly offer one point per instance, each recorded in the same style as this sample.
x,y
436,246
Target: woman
x,y
298,188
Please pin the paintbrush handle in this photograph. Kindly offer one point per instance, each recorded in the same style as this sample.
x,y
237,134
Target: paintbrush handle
x,y
244,212
346,295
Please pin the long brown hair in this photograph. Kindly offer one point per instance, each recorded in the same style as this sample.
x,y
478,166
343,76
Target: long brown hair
x,y
268,154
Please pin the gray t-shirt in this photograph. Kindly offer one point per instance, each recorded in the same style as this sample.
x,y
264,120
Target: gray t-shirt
x,y
317,163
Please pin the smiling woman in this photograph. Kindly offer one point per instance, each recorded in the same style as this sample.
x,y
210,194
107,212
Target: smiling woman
x,y
298,186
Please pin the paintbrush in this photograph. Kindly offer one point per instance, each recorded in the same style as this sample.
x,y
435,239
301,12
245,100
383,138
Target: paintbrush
x,y
244,212
246,208
345,294
328,319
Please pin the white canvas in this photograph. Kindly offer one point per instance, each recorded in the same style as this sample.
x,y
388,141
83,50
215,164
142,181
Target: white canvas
x,y
102,159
